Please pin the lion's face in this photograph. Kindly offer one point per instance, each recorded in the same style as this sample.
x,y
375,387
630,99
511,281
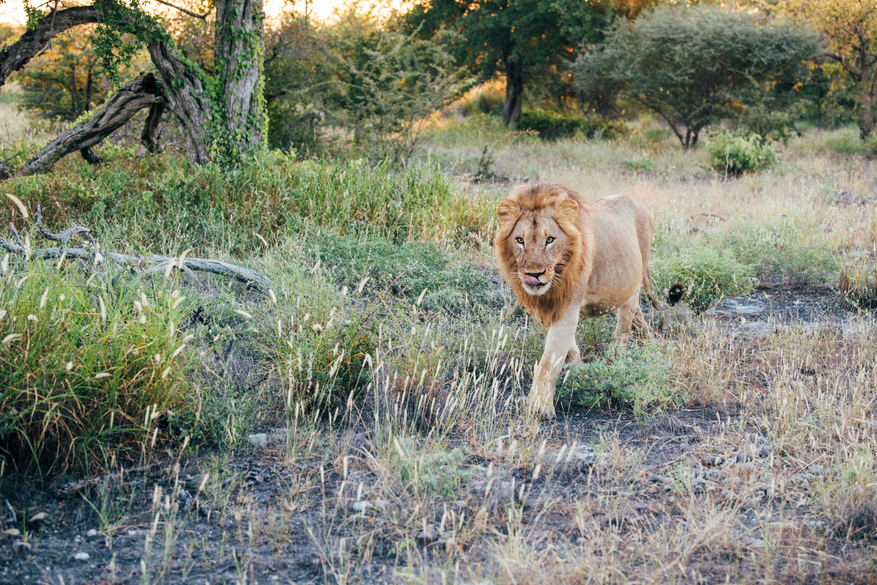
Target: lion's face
x,y
539,244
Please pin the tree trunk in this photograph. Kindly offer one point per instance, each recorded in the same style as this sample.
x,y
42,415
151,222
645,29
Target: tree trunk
x,y
221,121
514,94
866,102
187,96
239,51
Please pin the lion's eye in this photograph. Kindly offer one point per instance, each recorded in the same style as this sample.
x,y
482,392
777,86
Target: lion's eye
x,y
550,239
519,240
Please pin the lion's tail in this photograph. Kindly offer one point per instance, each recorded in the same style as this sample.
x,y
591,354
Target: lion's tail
x,y
650,293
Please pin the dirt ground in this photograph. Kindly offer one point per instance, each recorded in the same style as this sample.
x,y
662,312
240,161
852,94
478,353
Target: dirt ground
x,y
272,519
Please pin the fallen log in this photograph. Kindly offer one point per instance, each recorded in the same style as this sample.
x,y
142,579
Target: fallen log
x,y
89,252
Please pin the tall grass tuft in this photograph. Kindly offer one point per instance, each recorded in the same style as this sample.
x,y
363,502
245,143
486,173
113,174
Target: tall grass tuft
x,y
90,371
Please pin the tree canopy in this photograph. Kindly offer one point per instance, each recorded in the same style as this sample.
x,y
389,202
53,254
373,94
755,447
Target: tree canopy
x,y
516,38
695,65
849,28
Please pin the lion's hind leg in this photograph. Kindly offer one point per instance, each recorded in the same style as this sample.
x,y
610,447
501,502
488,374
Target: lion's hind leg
x,y
639,324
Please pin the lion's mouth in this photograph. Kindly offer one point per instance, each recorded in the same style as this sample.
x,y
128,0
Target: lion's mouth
x,y
532,281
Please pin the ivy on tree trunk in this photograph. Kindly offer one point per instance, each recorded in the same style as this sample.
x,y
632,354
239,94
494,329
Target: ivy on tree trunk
x,y
221,120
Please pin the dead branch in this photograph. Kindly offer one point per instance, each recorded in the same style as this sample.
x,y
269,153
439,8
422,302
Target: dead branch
x,y
89,253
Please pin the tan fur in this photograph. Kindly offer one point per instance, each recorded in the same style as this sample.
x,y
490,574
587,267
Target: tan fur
x,y
564,258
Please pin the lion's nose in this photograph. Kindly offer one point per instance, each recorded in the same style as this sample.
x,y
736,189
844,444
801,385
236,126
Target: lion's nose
x,y
534,274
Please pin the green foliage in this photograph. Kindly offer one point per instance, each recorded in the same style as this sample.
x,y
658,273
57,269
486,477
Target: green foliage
x,y
784,247
65,81
430,473
297,74
89,369
736,153
706,273
518,39
124,30
641,164
193,206
554,126
637,377
403,270
694,65
391,85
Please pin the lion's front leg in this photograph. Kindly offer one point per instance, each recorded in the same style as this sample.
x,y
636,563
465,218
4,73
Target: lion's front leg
x,y
560,346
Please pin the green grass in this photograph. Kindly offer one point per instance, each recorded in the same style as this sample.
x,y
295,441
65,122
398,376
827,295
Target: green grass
x,y
92,368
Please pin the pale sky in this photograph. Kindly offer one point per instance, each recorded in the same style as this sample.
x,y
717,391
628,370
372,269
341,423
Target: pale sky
x,y
12,11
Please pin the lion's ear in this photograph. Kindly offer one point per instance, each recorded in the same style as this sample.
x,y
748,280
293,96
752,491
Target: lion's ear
x,y
568,209
508,211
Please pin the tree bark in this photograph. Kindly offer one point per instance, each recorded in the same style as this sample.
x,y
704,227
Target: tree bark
x,y
149,138
514,93
130,99
239,51
190,104
32,42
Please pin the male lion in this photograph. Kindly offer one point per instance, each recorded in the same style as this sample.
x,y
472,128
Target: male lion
x,y
564,257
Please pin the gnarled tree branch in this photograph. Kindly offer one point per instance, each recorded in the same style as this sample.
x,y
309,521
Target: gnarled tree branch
x,y
32,42
143,92
89,253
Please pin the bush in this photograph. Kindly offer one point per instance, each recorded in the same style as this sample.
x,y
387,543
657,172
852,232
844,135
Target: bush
x,y
403,270
89,370
633,377
552,126
706,274
733,153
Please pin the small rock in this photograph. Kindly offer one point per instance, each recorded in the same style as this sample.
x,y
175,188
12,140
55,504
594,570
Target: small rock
x,y
713,475
800,479
765,450
582,457
81,556
712,461
728,494
698,486
743,457
258,440
19,546
756,543
91,533
816,469
132,533
363,505
428,534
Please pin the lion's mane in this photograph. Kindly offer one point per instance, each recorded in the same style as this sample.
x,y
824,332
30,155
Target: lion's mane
x,y
577,260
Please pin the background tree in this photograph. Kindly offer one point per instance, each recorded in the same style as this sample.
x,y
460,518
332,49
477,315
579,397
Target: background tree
x,y
696,65
220,116
67,79
515,38
849,28
297,74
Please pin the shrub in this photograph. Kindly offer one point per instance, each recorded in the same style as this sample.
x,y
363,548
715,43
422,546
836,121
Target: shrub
x,y
633,377
733,153
706,273
89,370
641,164
552,126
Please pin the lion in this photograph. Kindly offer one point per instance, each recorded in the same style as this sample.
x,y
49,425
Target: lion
x,y
564,258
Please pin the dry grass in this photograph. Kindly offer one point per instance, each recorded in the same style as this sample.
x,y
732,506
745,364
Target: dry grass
x,y
433,473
